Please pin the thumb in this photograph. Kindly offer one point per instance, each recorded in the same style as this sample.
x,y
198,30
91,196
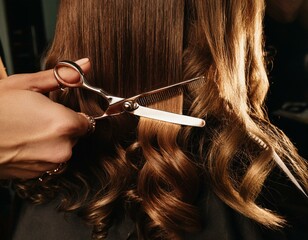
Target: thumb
x,y
43,81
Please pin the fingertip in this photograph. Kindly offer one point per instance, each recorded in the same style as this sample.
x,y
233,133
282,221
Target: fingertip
x,y
84,63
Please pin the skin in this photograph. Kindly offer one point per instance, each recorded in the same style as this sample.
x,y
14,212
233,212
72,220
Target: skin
x,y
37,134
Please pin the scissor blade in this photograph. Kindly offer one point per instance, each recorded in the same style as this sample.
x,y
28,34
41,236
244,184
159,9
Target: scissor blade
x,y
168,116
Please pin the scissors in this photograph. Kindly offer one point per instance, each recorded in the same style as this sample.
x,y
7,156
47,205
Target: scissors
x,y
113,105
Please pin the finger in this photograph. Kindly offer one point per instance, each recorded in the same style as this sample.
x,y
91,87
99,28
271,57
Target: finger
x,y
43,81
82,125
26,170
34,166
22,174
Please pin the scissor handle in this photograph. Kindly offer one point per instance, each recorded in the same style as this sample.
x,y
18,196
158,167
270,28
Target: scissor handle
x,y
105,101
73,66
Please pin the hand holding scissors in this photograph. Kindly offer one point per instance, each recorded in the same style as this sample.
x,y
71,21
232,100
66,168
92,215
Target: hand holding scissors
x,y
113,105
37,134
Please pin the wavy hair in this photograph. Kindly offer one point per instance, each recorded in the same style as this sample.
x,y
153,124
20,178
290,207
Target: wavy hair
x,y
155,171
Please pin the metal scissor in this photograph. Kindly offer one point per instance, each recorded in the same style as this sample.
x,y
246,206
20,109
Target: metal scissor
x,y
113,105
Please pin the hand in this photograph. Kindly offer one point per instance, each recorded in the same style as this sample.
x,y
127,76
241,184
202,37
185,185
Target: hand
x,y
36,134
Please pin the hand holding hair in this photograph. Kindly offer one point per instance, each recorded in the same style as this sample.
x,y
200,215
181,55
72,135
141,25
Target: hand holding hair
x,y
37,134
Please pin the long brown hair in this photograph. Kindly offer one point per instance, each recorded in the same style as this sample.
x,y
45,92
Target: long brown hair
x,y
154,170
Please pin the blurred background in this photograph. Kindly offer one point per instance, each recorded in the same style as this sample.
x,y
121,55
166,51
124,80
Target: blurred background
x,y
27,27
286,40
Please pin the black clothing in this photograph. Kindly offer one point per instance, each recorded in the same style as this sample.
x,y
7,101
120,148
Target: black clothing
x,y
220,222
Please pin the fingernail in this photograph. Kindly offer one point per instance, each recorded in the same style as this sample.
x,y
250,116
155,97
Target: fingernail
x,y
82,61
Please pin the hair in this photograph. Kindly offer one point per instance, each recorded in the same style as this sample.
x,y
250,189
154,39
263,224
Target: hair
x,y
154,171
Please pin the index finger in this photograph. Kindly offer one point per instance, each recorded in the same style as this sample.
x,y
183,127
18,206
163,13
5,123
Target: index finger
x,y
43,81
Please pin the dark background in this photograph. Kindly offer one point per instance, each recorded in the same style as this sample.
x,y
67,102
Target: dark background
x,y
286,39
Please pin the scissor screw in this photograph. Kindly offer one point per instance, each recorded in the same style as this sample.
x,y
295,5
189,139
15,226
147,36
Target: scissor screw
x,y
130,106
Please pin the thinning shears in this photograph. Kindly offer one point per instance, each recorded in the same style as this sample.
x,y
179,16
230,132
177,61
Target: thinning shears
x,y
113,105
